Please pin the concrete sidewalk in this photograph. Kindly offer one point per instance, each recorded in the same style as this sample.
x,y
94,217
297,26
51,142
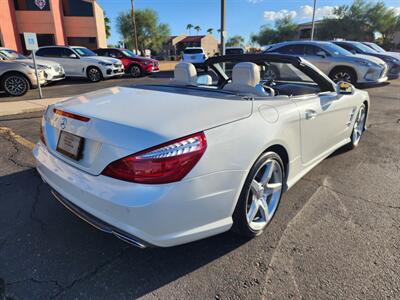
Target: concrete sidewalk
x,y
27,106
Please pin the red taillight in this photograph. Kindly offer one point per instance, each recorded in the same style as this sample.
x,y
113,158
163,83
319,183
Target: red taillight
x,y
71,115
41,135
165,163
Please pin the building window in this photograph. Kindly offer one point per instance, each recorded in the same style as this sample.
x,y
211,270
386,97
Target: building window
x,y
88,42
43,40
77,8
32,5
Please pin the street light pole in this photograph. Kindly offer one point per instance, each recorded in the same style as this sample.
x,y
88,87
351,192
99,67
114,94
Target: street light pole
x,y
134,28
223,24
313,21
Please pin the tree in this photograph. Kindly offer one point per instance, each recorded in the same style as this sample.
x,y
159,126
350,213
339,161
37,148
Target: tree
x,y
107,26
284,30
235,41
210,30
150,33
189,27
197,28
361,21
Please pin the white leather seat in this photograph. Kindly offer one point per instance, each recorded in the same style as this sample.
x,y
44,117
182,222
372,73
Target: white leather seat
x,y
246,80
184,74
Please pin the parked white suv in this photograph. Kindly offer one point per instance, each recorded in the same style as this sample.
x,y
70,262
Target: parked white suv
x,y
52,70
195,56
82,62
336,62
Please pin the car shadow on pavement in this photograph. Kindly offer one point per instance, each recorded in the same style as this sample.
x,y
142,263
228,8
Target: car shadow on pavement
x,y
41,241
46,251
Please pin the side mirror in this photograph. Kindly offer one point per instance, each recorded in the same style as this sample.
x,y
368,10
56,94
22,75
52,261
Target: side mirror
x,y
353,51
204,80
73,55
344,88
321,54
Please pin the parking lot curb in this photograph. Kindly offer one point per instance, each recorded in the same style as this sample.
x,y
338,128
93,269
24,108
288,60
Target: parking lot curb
x,y
27,106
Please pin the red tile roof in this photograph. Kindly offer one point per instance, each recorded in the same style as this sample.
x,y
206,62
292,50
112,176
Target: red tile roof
x,y
192,38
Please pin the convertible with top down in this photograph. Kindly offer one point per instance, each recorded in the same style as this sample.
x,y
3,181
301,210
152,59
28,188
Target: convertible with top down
x,y
163,165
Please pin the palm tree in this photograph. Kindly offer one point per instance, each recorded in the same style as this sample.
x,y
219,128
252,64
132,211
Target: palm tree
x,y
210,30
197,28
107,26
189,27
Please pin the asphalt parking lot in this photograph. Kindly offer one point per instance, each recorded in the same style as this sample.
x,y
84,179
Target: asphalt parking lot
x,y
74,86
335,235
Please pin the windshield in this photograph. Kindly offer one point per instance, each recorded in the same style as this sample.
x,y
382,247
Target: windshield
x,y
336,50
363,48
129,53
193,51
11,54
376,48
84,52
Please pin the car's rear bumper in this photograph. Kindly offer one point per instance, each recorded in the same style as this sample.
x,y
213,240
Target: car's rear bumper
x,y
99,224
161,215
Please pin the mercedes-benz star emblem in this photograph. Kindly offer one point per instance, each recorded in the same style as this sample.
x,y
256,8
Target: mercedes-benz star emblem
x,y
63,123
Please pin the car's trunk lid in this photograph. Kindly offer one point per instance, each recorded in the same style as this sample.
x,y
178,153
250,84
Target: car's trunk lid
x,y
123,121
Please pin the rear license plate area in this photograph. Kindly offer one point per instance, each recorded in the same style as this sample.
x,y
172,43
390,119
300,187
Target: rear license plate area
x,y
70,145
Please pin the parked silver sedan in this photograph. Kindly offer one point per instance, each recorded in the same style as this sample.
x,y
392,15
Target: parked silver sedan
x,y
336,62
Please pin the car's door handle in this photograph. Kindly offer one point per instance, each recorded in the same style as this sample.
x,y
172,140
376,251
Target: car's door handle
x,y
310,114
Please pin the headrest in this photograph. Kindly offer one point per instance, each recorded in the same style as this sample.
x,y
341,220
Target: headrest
x,y
246,80
246,73
185,74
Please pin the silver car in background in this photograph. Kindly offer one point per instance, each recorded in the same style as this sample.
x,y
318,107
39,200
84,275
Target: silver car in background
x,y
336,62
392,61
52,71
17,78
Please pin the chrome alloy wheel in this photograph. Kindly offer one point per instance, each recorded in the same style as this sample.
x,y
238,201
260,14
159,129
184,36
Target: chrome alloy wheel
x,y
270,75
15,85
342,76
94,75
135,71
359,126
264,194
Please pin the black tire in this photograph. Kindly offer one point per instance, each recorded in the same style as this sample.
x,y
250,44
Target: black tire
x,y
358,127
241,224
343,74
94,74
15,84
135,71
271,74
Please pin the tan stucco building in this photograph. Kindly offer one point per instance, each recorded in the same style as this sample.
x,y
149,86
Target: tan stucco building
x,y
56,22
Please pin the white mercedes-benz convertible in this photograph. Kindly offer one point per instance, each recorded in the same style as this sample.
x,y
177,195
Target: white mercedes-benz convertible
x,y
163,165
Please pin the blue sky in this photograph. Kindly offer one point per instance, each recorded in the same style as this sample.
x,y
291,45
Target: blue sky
x,y
243,16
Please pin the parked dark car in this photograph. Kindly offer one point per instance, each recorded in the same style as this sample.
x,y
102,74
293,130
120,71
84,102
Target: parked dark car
x,y
135,65
391,60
